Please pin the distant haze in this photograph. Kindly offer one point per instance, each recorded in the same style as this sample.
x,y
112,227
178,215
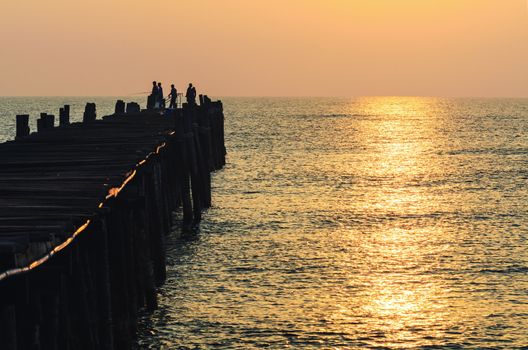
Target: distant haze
x,y
265,47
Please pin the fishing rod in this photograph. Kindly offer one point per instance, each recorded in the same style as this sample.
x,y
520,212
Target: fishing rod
x,y
139,93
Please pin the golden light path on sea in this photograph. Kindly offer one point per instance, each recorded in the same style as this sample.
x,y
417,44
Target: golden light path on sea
x,y
399,299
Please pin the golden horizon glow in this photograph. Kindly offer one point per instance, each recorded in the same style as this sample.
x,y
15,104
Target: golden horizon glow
x,y
266,48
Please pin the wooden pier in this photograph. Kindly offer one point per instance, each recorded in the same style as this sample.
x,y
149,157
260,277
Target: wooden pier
x,y
85,209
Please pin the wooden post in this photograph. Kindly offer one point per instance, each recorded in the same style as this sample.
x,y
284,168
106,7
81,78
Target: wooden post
x,y
64,115
8,333
50,323
65,296
151,298
120,107
154,211
220,138
192,156
103,284
201,170
204,144
117,230
49,121
151,101
41,122
89,113
132,107
35,319
22,125
184,172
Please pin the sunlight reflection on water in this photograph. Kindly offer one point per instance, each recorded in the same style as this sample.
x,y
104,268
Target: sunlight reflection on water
x,y
346,223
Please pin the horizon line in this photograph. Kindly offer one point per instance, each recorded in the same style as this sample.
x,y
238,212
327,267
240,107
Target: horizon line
x,y
283,96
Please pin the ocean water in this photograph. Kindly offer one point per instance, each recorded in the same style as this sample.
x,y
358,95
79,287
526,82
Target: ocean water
x,y
382,223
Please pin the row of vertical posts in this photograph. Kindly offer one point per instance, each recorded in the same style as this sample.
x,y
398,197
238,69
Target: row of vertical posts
x,y
89,296
198,136
129,108
47,121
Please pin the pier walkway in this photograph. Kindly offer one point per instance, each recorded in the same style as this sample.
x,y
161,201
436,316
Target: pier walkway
x,y
84,212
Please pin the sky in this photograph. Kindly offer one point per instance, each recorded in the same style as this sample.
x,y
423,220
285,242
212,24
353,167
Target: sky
x,y
472,48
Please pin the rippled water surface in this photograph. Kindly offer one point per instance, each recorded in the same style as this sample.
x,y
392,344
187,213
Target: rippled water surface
x,y
346,223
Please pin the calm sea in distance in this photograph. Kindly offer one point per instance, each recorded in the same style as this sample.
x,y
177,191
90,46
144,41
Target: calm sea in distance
x,y
341,223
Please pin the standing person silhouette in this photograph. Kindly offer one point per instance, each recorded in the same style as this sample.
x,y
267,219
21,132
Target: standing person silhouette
x,y
160,96
153,98
173,94
191,95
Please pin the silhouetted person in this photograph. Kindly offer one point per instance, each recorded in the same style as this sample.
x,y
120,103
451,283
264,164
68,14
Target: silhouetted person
x,y
161,101
191,95
153,98
173,94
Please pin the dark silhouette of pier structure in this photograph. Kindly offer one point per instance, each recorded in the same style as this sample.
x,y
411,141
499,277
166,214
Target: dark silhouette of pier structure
x,y
85,210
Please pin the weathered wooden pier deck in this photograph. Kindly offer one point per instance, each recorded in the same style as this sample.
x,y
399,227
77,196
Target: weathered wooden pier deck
x,y
84,212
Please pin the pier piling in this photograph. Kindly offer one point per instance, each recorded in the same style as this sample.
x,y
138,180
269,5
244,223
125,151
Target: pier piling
x,y
22,125
64,115
120,107
89,113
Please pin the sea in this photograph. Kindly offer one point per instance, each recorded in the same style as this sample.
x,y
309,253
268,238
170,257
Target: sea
x,y
349,223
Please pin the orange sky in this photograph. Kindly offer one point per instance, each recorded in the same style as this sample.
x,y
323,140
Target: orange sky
x,y
265,47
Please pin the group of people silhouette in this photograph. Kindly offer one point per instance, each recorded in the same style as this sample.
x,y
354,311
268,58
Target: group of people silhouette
x,y
157,92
